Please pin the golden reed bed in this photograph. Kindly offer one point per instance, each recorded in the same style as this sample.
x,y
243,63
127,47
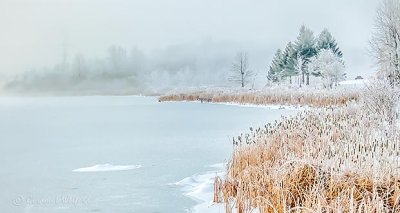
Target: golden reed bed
x,y
267,97
335,159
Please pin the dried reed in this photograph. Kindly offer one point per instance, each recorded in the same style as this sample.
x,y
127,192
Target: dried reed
x,y
316,98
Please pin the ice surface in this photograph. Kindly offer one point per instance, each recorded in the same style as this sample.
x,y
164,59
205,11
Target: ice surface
x,y
46,138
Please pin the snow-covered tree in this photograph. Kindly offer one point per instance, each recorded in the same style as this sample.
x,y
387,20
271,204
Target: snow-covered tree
x,y
294,60
328,65
305,45
275,72
240,70
326,41
385,43
381,98
289,62
283,64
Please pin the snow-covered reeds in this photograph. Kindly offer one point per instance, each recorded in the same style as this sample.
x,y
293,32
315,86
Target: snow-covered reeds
x,y
278,96
332,159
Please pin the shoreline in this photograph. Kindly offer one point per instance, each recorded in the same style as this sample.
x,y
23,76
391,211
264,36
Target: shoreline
x,y
319,145
268,106
315,160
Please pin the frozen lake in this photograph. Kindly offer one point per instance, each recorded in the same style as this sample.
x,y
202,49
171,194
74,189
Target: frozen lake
x,y
112,154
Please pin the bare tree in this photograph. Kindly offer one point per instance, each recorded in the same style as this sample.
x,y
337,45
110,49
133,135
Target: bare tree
x,y
240,70
79,66
385,43
382,99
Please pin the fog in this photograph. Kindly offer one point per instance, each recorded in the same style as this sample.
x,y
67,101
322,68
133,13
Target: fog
x,y
165,43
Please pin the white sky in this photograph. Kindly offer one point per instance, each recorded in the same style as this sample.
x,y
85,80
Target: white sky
x,y
33,31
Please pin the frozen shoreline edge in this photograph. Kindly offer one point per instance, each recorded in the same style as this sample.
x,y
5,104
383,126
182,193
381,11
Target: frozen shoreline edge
x,y
200,188
269,106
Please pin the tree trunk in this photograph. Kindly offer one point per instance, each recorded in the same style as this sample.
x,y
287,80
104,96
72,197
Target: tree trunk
x,y
299,80
396,55
308,79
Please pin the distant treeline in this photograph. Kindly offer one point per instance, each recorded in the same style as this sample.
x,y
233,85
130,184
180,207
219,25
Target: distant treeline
x,y
133,71
125,70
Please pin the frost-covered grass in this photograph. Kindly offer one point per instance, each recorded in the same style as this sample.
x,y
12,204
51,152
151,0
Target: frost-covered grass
x,y
332,159
268,96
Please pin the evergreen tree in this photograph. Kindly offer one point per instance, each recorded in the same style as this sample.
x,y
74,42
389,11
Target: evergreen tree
x,y
326,41
289,61
306,47
275,72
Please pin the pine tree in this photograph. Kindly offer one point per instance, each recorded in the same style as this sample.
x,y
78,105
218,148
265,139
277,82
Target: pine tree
x,y
276,69
326,41
306,47
290,61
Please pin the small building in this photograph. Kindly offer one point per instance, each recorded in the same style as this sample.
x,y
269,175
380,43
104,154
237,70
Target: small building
x,y
359,78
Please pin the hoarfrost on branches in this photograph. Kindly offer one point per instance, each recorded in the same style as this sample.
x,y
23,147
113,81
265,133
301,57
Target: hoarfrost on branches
x,y
329,66
241,72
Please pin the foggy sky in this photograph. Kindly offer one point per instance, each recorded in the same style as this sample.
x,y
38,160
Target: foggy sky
x,y
34,32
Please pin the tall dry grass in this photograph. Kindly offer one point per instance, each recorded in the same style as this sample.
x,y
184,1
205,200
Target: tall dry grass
x,y
316,98
334,159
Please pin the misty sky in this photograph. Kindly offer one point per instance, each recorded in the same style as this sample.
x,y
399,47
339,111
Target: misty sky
x,y
33,31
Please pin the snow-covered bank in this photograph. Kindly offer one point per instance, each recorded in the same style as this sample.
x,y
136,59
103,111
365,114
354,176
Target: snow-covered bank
x,y
268,106
200,188
107,168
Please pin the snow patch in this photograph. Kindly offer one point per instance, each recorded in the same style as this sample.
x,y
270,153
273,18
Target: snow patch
x,y
107,168
355,82
200,187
